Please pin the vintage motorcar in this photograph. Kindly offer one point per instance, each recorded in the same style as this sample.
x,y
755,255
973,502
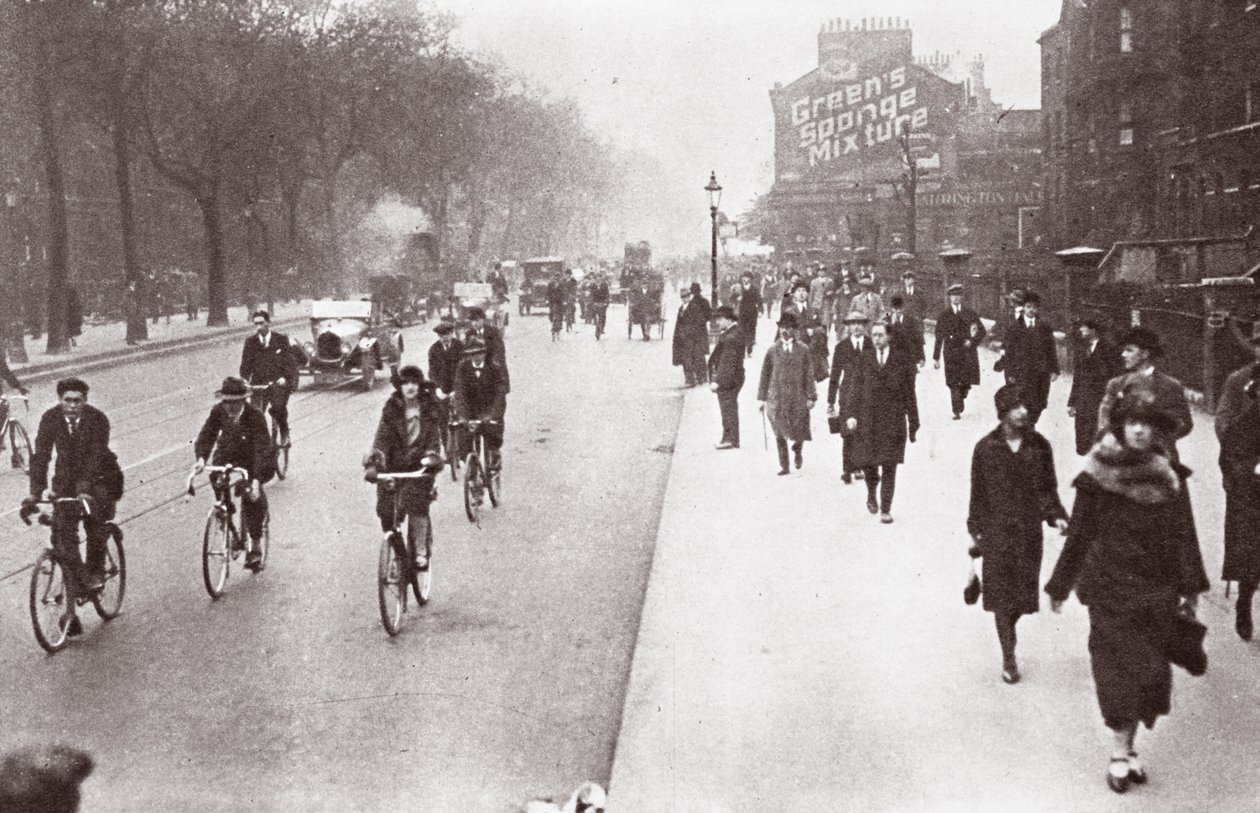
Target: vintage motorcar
x,y
350,339
467,295
535,274
400,300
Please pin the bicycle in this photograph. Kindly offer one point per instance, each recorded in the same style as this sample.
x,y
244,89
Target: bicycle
x,y
396,568
480,480
222,541
49,594
15,433
260,400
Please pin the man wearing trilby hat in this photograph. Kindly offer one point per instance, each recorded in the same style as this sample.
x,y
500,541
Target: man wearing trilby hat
x,y
959,332
787,391
1139,348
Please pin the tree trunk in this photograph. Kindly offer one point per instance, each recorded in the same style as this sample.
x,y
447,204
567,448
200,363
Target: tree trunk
x,y
58,231
137,328
331,229
216,289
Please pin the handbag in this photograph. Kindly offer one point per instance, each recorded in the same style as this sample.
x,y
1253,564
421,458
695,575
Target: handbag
x,y
1185,642
835,424
971,593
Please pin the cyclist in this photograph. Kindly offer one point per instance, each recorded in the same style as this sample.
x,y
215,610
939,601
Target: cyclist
x,y
409,428
444,356
599,303
270,358
492,338
481,394
85,467
7,376
237,434
555,303
570,299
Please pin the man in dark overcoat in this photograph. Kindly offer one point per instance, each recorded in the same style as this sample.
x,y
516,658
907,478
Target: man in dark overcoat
x,y
749,310
844,359
959,332
1139,349
1013,491
691,336
905,330
492,338
445,355
881,411
1032,357
1095,361
1238,430
481,394
913,306
726,374
269,357
787,391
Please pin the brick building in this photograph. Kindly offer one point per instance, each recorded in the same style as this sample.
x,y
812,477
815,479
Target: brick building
x,y
847,132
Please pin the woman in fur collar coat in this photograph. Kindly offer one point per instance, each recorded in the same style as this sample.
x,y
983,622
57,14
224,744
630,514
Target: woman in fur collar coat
x,y
1131,554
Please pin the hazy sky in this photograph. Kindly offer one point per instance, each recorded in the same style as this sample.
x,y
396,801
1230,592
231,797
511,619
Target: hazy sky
x,y
688,80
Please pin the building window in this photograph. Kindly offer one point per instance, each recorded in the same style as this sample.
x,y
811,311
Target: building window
x,y
1126,31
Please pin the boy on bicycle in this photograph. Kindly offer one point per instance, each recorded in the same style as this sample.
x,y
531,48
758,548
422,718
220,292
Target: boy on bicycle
x,y
481,394
237,434
410,427
85,467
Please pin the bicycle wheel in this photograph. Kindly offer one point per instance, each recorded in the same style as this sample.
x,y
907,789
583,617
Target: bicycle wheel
x,y
216,551
422,580
390,588
452,454
473,487
281,452
20,445
49,601
108,600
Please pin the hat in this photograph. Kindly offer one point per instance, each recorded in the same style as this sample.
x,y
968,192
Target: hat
x,y
474,313
896,302
411,373
444,327
474,347
1007,398
856,318
1031,298
1143,339
800,285
695,288
909,272
725,312
1137,402
787,320
233,389
956,288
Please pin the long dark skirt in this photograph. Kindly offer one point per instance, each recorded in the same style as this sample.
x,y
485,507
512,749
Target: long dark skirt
x,y
1131,671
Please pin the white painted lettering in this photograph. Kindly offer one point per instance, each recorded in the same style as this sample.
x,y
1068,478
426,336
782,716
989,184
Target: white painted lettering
x,y
800,111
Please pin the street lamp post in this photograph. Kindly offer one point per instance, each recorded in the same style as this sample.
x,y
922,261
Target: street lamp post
x,y
715,198
12,330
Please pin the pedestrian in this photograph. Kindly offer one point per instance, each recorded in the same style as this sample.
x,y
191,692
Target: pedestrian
x,y
820,288
789,291
1139,349
1238,430
691,336
1013,491
749,309
1095,361
1131,553
1031,357
43,779
816,338
74,314
787,391
726,374
959,332
867,300
905,330
912,301
798,304
844,360
880,412
1007,328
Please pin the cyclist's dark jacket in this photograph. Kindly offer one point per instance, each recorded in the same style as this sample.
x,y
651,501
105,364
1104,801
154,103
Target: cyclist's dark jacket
x,y
479,396
496,352
263,365
83,459
600,294
244,443
442,364
391,433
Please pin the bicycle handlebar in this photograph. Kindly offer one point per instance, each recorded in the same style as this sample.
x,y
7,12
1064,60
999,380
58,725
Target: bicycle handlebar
x,y
30,509
229,470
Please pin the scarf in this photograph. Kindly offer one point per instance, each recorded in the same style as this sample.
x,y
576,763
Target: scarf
x,y
1144,477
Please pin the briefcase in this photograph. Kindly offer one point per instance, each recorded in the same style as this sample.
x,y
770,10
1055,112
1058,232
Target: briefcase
x,y
835,425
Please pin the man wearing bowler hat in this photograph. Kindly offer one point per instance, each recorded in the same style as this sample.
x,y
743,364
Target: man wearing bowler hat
x,y
726,374
1095,361
912,301
959,332
1031,359
849,350
1139,348
787,391
691,335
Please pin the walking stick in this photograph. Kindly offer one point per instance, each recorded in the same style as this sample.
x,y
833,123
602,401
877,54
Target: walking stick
x,y
765,439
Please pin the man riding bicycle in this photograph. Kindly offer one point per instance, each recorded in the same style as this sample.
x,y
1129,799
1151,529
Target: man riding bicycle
x,y
237,434
410,428
270,358
7,376
492,338
481,394
445,355
85,467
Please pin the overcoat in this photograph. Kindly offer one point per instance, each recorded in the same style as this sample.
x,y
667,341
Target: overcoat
x,y
749,311
691,330
958,335
908,333
788,390
883,402
442,364
1012,494
1090,373
244,443
1032,356
726,363
843,359
1238,429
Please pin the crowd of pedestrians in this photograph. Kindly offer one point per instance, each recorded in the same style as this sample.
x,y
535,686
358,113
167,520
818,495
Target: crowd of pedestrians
x,y
1131,551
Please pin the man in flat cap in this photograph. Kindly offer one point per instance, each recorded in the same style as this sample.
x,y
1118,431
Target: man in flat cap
x,y
848,352
959,332
787,391
1139,348
726,374
867,301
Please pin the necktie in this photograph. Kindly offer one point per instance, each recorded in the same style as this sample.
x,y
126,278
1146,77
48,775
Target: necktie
x,y
956,311
897,319
74,424
882,357
1032,322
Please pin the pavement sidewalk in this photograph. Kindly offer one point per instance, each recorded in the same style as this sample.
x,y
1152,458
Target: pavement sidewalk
x,y
106,343
793,651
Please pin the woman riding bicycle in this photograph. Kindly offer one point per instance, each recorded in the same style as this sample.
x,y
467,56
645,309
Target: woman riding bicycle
x,y
410,427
